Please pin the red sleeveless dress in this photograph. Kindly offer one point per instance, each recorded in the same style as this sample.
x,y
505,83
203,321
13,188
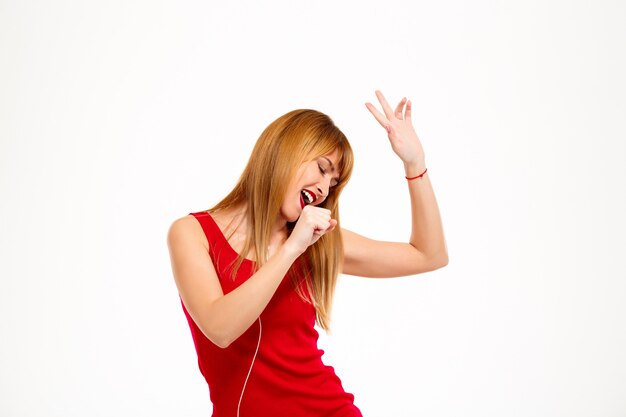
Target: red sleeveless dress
x,y
282,373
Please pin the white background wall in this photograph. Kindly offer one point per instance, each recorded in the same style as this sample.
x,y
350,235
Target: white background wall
x,y
118,117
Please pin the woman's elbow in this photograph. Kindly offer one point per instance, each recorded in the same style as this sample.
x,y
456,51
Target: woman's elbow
x,y
220,341
437,261
441,261
219,338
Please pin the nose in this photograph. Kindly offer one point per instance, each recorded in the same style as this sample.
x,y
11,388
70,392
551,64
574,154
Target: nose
x,y
322,188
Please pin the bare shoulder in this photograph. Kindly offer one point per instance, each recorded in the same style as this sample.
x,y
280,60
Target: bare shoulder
x,y
186,228
192,267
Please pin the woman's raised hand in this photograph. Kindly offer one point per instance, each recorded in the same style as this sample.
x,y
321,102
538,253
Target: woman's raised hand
x,y
314,222
399,127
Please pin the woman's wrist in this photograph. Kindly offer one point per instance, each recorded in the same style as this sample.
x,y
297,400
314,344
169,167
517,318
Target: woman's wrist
x,y
414,169
290,251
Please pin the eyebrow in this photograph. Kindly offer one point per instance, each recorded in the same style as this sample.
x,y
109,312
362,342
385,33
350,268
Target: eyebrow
x,y
332,166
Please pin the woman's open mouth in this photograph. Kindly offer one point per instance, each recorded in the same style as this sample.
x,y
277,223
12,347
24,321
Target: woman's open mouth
x,y
306,197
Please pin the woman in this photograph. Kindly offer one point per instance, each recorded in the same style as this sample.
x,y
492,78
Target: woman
x,y
258,270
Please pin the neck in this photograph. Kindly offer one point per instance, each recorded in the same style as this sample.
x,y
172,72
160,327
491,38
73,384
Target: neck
x,y
240,220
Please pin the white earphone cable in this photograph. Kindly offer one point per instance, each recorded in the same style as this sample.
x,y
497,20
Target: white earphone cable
x,y
250,370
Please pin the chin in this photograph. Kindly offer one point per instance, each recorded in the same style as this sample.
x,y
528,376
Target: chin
x,y
290,216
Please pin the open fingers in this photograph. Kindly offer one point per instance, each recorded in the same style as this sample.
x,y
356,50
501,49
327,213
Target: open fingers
x,y
377,115
383,102
407,114
399,109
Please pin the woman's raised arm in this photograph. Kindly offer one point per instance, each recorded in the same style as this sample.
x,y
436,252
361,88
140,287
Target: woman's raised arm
x,y
426,249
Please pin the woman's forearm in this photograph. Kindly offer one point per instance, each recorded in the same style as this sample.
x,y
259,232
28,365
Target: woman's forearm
x,y
231,315
427,229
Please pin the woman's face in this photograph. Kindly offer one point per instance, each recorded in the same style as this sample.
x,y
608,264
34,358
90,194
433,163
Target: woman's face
x,y
310,185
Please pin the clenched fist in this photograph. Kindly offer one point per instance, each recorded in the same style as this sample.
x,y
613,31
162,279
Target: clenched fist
x,y
314,222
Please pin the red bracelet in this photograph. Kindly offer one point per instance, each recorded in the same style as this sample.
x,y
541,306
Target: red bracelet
x,y
419,176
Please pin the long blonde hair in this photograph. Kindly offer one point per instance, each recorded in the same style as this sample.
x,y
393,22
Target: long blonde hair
x,y
292,139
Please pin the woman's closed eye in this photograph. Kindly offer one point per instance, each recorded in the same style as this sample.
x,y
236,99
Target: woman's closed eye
x,y
323,171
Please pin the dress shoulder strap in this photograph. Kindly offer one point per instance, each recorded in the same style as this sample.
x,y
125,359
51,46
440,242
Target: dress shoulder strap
x,y
213,233
222,254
